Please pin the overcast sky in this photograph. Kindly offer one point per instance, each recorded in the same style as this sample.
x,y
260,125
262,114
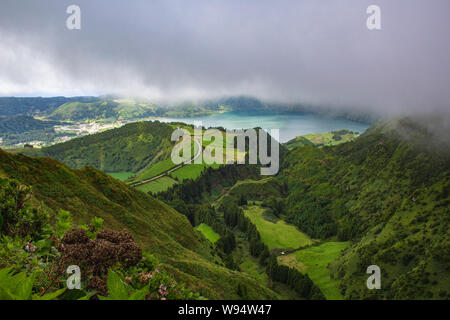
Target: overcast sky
x,y
305,51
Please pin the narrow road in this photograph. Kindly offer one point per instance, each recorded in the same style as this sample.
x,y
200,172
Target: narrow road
x,y
165,173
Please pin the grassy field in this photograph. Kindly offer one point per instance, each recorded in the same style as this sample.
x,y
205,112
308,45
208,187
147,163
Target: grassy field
x,y
327,139
162,166
122,176
322,139
154,170
208,232
190,171
276,235
158,185
314,261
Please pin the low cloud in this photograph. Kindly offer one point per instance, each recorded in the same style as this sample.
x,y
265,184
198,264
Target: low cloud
x,y
313,52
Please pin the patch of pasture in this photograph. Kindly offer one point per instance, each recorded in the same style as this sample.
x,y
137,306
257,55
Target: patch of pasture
x,y
314,261
158,185
208,232
277,235
122,176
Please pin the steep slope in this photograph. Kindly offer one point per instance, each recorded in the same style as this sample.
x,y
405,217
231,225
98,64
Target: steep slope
x,y
128,148
387,192
160,229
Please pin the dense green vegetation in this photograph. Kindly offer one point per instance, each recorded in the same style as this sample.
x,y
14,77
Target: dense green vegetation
x,y
387,192
228,220
381,198
11,106
22,129
22,124
126,109
157,228
101,110
129,148
34,257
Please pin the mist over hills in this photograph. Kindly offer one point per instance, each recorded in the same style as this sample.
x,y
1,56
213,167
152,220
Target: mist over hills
x,y
111,107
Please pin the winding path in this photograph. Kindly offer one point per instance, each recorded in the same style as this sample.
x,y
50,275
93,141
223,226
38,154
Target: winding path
x,y
165,173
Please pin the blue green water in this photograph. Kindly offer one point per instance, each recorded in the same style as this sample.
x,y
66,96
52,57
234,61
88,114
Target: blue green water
x,y
290,125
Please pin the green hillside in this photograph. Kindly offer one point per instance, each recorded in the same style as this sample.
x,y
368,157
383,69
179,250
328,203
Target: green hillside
x,y
125,149
21,129
102,110
162,231
388,193
21,124
126,109
10,106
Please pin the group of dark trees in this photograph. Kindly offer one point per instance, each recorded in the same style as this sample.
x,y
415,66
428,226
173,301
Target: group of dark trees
x,y
205,213
297,281
234,218
311,214
276,204
192,191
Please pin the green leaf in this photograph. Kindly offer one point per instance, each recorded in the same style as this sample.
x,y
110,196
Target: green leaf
x,y
89,295
5,294
116,288
140,294
5,278
50,296
24,285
